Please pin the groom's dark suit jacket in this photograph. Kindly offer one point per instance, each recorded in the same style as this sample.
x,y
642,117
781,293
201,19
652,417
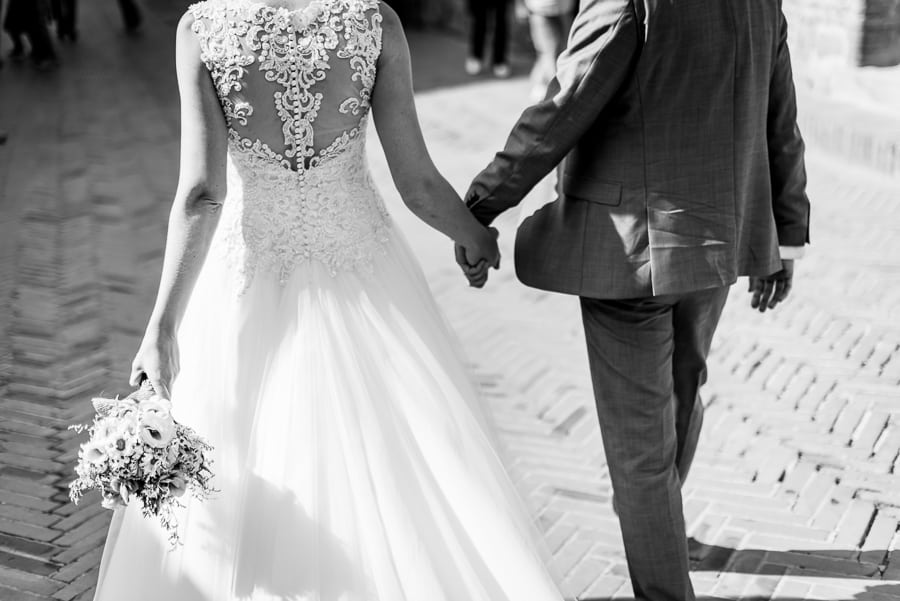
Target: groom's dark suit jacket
x,y
684,165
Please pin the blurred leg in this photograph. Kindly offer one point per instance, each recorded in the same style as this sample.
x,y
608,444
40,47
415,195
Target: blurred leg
x,y
66,19
15,24
131,14
501,27
565,21
630,346
42,50
478,31
543,35
18,46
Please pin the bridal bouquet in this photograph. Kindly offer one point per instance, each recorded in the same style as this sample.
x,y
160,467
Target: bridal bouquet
x,y
137,451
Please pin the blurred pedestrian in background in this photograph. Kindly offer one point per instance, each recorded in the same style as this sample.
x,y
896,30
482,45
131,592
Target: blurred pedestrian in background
x,y
131,15
549,21
2,7
485,13
64,13
28,19
3,134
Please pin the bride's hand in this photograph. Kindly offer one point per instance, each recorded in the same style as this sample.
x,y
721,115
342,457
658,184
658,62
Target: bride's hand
x,y
157,360
478,257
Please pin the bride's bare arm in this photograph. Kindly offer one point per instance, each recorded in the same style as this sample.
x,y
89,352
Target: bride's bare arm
x,y
423,189
195,210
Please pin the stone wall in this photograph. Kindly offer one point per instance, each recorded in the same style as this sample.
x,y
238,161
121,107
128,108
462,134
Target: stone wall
x,y
881,34
846,32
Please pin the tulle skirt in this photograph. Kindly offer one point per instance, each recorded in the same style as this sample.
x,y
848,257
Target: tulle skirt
x,y
353,458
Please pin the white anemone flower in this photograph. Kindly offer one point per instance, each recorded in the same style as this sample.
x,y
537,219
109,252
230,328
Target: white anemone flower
x,y
96,452
157,432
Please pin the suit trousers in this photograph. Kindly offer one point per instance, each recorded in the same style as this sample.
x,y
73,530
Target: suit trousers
x,y
648,362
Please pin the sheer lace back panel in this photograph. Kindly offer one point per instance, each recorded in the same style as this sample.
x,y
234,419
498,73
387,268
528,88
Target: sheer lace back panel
x,y
295,86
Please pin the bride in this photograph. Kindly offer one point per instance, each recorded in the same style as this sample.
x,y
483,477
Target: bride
x,y
294,329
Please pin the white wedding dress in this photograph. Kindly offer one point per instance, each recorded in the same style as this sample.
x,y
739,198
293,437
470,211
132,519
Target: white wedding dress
x,y
352,456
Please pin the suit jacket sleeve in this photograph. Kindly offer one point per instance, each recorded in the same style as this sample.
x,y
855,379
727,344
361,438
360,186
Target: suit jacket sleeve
x,y
602,48
786,163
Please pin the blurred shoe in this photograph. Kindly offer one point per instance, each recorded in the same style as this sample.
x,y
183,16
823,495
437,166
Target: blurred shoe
x,y
473,66
502,71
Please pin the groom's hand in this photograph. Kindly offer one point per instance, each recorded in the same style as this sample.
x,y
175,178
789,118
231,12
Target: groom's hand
x,y
767,292
474,267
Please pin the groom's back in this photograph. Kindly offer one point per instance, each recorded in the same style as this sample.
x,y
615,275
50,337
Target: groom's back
x,y
683,162
696,103
685,143
293,83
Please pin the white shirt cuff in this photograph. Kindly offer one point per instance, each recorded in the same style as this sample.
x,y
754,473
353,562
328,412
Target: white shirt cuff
x,y
791,253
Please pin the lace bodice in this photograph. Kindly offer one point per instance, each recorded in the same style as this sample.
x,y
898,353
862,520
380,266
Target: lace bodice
x,y
295,86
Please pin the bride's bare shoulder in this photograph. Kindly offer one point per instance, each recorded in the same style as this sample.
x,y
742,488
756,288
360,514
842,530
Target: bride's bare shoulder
x,y
199,16
394,43
198,22
204,9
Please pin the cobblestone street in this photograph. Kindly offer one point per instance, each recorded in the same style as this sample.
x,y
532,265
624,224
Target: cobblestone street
x,y
795,492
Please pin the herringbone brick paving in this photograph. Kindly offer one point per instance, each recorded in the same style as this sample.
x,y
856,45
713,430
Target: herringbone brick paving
x,y
794,493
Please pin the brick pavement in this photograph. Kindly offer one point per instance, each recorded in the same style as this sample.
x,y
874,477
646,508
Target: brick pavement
x,y
794,494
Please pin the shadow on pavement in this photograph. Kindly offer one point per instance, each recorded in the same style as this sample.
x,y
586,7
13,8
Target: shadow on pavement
x,y
872,593
824,563
808,563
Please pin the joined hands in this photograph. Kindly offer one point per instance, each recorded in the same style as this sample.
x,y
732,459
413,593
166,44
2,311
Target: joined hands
x,y
476,261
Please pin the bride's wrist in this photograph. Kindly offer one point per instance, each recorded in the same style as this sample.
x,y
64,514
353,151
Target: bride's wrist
x,y
160,326
477,239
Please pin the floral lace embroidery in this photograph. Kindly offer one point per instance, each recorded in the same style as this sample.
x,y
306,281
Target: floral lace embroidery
x,y
339,220
298,205
220,31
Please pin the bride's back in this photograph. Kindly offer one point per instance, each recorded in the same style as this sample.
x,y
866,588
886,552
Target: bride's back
x,y
294,84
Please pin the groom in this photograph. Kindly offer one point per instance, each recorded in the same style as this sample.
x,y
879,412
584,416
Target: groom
x,y
683,170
